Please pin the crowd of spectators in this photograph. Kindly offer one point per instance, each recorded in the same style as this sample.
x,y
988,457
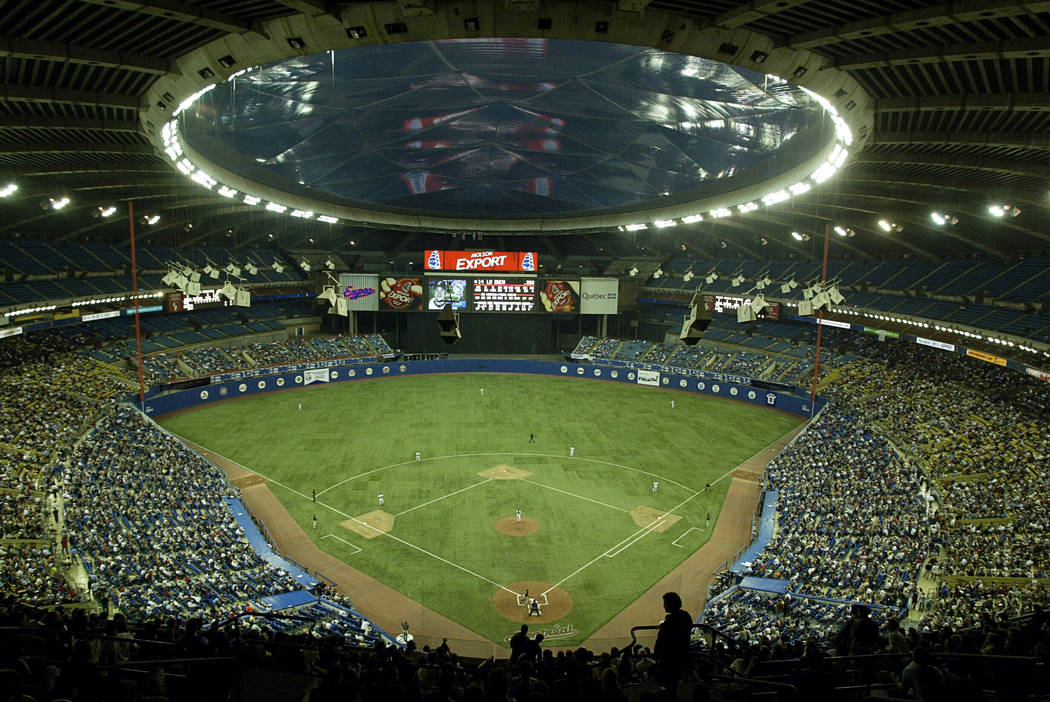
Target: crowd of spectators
x,y
980,431
922,457
148,519
45,404
208,360
851,525
746,363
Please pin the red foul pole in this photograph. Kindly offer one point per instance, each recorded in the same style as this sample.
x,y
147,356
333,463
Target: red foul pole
x,y
820,318
135,295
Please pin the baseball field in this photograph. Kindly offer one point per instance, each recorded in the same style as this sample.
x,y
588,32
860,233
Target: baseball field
x,y
594,532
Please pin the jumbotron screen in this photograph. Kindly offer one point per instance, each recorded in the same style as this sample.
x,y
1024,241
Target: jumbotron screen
x,y
504,294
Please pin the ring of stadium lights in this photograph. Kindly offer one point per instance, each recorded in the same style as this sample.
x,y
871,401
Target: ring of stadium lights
x,y
192,81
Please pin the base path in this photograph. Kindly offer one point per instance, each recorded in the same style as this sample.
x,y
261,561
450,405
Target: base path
x,y
385,606
690,579
388,607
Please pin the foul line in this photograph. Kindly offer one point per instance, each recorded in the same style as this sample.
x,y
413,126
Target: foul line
x,y
641,531
344,514
570,494
514,453
638,535
675,542
339,538
649,529
438,499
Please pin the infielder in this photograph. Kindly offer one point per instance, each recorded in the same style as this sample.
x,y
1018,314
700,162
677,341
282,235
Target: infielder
x,y
517,515
380,499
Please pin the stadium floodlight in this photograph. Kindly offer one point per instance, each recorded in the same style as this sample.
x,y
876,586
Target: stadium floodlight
x,y
341,308
759,304
807,293
710,278
633,272
243,298
760,285
805,308
8,190
328,294
689,219
745,313
305,265
329,264
664,223
169,278
636,227
228,291
735,282
180,281
251,268
194,276
277,267
59,202
689,275
821,299
193,288
233,269
835,296
657,273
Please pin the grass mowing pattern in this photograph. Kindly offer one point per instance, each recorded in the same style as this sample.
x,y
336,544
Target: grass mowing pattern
x,y
352,441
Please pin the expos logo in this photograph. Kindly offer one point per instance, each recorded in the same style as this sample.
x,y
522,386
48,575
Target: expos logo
x,y
528,262
352,293
434,261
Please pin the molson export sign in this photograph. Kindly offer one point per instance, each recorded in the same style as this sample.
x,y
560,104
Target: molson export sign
x,y
525,261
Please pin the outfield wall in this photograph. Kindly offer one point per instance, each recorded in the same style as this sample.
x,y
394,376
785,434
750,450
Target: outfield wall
x,y
738,389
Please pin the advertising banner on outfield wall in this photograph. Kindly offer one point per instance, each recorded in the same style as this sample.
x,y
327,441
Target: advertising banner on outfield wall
x,y
599,295
648,377
317,375
360,291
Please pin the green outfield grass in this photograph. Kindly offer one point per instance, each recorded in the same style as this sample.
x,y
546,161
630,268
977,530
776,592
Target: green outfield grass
x,y
352,441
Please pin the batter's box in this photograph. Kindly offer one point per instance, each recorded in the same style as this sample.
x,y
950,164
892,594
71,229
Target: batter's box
x,y
505,472
524,601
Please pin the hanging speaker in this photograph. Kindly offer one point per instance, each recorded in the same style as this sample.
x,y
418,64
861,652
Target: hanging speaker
x,y
695,325
448,320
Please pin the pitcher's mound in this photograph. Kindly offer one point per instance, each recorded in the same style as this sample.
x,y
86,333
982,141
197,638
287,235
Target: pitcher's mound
x,y
510,525
513,607
645,516
504,472
370,525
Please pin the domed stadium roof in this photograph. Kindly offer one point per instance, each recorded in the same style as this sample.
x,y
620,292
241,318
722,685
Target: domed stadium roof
x,y
949,107
506,127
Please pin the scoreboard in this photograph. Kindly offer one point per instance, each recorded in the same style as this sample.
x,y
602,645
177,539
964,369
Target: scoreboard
x,y
504,294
